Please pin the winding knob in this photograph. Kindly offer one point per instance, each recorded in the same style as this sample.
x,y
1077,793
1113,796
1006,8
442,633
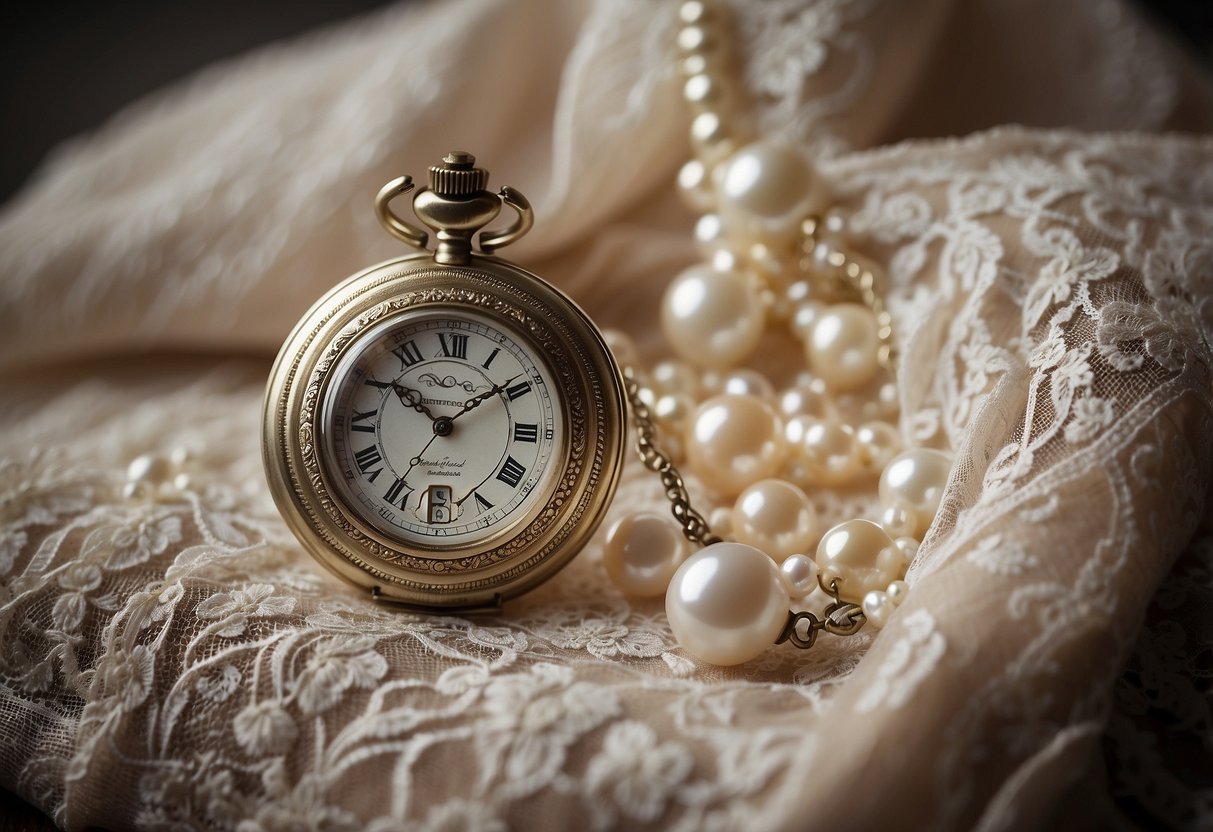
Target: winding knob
x,y
457,175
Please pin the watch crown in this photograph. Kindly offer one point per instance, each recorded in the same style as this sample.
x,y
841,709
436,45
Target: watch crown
x,y
457,175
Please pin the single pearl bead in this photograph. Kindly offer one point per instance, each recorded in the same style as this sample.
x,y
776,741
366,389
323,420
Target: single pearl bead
x,y
148,468
709,233
799,573
747,383
765,188
180,456
693,12
844,347
878,443
720,519
622,347
889,399
907,547
917,478
695,188
877,608
733,441
642,552
803,400
859,556
899,520
675,377
710,136
702,90
775,516
829,453
672,411
723,258
726,604
711,318
182,482
804,317
897,592
693,38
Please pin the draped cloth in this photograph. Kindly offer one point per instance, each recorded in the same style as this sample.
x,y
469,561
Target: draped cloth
x,y
174,659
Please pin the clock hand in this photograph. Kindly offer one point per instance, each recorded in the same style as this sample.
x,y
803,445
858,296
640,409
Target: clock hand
x,y
411,398
488,394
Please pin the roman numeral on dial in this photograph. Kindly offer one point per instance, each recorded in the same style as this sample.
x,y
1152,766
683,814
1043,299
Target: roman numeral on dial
x,y
482,503
524,432
408,353
394,493
519,389
367,459
511,472
489,360
454,346
363,417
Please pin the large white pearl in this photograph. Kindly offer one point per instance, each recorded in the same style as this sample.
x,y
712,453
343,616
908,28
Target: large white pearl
x,y
878,443
765,188
916,478
711,318
726,604
733,441
843,348
775,516
860,556
642,552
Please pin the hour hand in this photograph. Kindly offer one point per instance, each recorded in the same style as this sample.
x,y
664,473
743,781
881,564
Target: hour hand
x,y
411,398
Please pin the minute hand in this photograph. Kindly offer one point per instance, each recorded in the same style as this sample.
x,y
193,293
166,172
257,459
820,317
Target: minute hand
x,y
488,394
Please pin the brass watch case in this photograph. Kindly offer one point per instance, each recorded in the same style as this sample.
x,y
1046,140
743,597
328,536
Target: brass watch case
x,y
521,555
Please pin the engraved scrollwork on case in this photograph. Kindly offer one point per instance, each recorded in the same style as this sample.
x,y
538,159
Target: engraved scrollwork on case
x,y
574,373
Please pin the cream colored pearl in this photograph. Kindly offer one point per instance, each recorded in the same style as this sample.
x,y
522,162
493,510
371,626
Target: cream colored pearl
x,y
135,490
722,258
642,552
799,573
709,233
671,411
182,482
675,377
897,591
775,516
859,556
804,318
878,443
916,477
622,347
726,604
748,383
844,345
877,608
889,399
720,519
710,136
694,64
701,89
733,441
693,12
765,188
828,452
908,548
694,186
805,401
711,318
693,38
148,468
180,456
899,520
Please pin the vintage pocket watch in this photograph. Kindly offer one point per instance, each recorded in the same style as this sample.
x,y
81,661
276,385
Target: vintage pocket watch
x,y
445,429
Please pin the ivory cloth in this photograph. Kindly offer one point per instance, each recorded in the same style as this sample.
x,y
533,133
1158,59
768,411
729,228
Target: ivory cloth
x,y
180,662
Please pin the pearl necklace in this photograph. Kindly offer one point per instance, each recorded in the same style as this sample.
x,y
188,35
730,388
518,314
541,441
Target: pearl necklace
x,y
771,257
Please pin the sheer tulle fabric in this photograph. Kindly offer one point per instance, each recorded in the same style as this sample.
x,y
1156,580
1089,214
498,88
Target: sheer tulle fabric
x,y
174,658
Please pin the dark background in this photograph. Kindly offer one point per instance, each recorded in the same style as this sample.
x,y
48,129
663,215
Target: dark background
x,y
65,67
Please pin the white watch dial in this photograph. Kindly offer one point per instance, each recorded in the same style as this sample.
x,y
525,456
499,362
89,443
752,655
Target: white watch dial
x,y
442,429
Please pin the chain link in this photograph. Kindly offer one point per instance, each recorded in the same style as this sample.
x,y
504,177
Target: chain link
x,y
854,276
694,527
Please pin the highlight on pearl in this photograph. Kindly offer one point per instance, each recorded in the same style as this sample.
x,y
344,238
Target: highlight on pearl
x,y
776,517
765,188
916,479
844,347
642,552
727,603
860,556
711,318
733,441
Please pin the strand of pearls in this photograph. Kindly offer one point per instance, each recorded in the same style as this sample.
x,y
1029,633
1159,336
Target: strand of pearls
x,y
770,261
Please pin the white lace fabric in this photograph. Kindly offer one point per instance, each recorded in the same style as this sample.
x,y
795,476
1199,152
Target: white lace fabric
x,y
179,662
